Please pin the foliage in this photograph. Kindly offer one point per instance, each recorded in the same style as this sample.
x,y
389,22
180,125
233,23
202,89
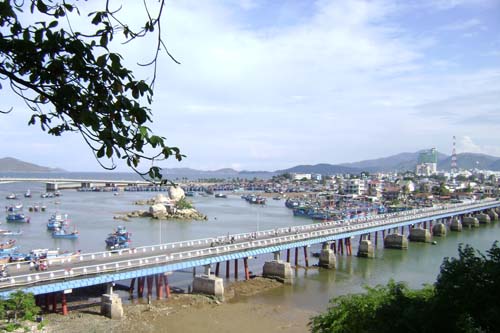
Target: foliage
x,y
391,308
463,299
183,204
72,81
20,305
467,290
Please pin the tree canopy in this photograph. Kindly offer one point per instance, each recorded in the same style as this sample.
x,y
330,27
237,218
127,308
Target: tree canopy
x,y
463,299
72,81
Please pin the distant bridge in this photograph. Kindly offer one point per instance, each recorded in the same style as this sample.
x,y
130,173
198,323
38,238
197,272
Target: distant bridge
x,y
53,184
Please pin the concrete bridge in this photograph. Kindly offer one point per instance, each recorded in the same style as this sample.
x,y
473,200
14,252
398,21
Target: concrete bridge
x,y
54,184
150,265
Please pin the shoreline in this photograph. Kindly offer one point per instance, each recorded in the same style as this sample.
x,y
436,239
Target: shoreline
x,y
190,313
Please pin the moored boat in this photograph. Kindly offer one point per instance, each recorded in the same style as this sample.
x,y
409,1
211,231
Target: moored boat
x,y
11,196
10,233
17,217
220,195
27,194
57,220
63,233
8,244
120,239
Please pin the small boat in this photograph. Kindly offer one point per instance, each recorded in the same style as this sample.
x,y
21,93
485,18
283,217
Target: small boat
x,y
8,244
120,239
17,217
14,208
220,195
27,194
63,233
11,196
10,233
57,221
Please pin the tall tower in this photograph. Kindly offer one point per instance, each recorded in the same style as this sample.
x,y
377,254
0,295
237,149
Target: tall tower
x,y
454,159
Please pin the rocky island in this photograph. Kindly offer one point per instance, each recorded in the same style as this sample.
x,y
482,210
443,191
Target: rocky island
x,y
162,207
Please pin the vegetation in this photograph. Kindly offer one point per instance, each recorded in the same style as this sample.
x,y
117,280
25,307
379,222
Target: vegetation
x,y
463,299
183,204
71,80
19,307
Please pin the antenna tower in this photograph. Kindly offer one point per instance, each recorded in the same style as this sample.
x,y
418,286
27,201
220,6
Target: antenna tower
x,y
454,158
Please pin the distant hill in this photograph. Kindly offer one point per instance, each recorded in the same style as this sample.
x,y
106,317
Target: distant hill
x,y
9,164
398,162
323,168
472,160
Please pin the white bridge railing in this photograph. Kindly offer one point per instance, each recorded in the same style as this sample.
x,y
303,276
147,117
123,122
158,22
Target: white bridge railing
x,y
209,247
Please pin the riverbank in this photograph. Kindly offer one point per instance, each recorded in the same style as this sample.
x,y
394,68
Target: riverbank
x,y
192,314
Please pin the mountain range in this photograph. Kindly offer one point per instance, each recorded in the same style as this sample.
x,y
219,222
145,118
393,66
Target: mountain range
x,y
398,162
9,164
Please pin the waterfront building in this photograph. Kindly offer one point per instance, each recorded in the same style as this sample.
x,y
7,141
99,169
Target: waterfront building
x,y
300,176
354,186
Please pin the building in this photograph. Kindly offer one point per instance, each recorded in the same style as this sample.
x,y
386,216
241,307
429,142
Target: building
x,y
427,163
354,186
301,176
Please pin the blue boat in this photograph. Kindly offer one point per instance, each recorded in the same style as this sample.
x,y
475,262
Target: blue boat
x,y
120,239
63,233
17,217
57,221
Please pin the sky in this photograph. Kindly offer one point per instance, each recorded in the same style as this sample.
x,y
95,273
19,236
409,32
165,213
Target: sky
x,y
267,85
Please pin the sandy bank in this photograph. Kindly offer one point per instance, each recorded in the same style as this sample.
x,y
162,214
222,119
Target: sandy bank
x,y
192,314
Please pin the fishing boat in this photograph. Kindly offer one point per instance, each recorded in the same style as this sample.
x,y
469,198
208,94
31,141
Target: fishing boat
x,y
63,233
57,221
120,239
14,208
220,195
27,194
18,218
8,244
11,196
10,233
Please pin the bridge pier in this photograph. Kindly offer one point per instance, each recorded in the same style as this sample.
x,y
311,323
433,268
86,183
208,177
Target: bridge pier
x,y
228,269
420,235
439,229
296,257
493,215
167,285
470,222
327,257
54,302
287,255
455,224
483,218
395,241
209,284
217,267
366,249
236,269
245,265
64,304
306,258
278,270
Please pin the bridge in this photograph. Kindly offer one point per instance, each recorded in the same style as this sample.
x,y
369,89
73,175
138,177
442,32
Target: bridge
x,y
54,184
156,261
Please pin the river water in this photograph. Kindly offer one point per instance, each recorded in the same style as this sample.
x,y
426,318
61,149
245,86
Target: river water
x,y
92,214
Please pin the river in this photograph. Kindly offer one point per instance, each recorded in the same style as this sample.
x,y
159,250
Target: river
x,y
92,214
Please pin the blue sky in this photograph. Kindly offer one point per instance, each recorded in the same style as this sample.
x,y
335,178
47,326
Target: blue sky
x,y
265,85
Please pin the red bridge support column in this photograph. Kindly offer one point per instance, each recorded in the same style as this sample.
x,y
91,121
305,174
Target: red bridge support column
x,y
140,286
306,258
54,302
167,286
149,280
159,289
64,304
47,302
132,284
217,269
245,264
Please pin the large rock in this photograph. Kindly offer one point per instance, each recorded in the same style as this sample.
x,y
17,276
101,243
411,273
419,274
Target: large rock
x,y
160,198
158,210
176,193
